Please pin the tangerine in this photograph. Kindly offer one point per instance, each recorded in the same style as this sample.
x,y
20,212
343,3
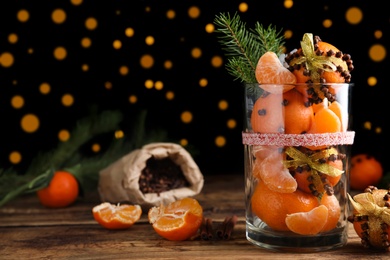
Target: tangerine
x,y
365,171
341,113
298,114
179,220
62,191
118,216
334,211
268,114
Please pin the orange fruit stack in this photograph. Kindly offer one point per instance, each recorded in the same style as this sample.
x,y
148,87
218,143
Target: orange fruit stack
x,y
298,199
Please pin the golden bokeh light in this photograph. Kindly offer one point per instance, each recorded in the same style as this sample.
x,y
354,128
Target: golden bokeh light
x,y
183,142
58,16
378,34
327,23
147,61
288,34
17,101
63,135
15,157
170,95
6,59
354,15
86,42
223,105
119,134
123,70
133,99
158,85
371,81
60,53
186,117
84,67
243,7
149,84
76,2
171,14
44,88
210,28
13,38
377,52
220,141
149,40
168,64
117,44
108,85
216,61
203,82
367,125
193,12
30,123
288,3
67,100
129,32
231,123
23,15
196,53
91,23
95,147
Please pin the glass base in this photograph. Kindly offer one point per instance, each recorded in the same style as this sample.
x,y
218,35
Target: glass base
x,y
289,242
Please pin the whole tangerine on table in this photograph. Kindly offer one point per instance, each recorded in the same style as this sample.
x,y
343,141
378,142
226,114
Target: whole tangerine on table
x,y
62,191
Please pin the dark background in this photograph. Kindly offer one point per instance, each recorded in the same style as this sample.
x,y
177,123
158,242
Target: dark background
x,y
174,40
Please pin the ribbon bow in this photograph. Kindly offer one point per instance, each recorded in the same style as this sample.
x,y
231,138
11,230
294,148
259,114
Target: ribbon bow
x,y
364,203
299,159
315,63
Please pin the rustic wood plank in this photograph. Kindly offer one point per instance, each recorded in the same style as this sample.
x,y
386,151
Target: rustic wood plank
x,y
30,231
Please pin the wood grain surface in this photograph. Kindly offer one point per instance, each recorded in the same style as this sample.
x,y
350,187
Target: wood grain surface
x,y
30,231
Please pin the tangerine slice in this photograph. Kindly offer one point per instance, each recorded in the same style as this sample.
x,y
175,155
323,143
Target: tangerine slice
x,y
274,175
113,216
179,220
270,70
308,223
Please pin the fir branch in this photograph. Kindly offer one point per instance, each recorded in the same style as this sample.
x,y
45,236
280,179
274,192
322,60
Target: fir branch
x,y
244,47
85,130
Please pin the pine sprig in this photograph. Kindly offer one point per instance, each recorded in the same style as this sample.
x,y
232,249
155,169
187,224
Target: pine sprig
x,y
244,47
68,157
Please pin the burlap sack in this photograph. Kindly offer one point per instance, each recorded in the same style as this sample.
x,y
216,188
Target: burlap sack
x,y
119,182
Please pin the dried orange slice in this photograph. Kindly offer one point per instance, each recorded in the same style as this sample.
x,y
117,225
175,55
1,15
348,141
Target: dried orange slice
x,y
113,216
308,223
179,220
270,70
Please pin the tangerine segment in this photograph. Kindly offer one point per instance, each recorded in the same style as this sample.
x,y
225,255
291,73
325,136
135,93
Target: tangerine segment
x,y
273,173
179,220
118,216
270,70
272,207
308,223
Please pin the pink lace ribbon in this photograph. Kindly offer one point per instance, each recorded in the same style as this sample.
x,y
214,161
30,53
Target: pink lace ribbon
x,y
340,138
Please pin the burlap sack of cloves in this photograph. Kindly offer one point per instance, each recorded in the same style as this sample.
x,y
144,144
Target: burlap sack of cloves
x,y
120,182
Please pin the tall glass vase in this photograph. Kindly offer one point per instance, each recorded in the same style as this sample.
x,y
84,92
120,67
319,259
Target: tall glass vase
x,y
297,149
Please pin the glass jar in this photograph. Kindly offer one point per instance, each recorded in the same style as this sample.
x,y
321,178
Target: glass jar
x,y
297,150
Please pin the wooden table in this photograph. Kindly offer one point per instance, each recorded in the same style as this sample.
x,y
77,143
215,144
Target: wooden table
x,y
30,231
